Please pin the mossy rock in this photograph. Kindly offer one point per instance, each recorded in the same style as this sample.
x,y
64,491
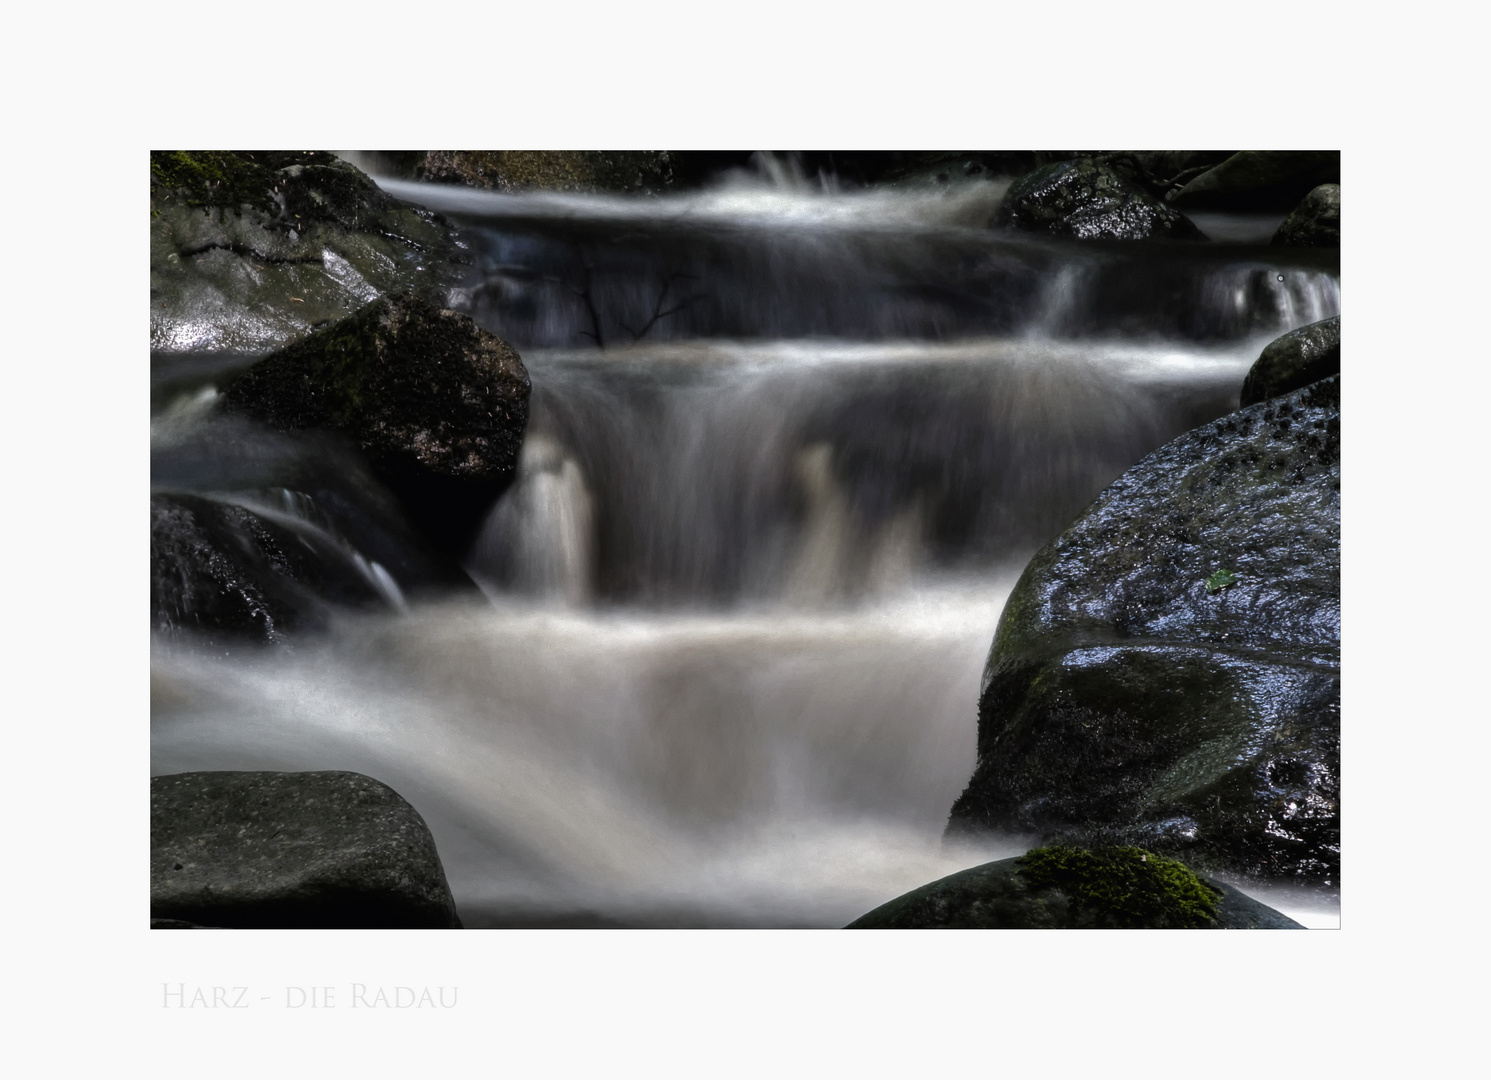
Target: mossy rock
x,y
1315,222
1089,200
251,250
1293,360
1130,698
312,850
436,404
1068,888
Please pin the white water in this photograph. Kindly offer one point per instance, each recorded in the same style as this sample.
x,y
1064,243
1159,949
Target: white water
x,y
739,599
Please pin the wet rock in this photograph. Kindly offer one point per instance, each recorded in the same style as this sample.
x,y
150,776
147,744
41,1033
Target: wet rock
x,y
1315,222
649,171
1072,889
1166,672
292,850
435,403
251,250
1088,200
1293,360
222,573
1260,180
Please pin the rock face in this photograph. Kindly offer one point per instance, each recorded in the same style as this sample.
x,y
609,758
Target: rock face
x,y
292,850
1315,222
223,572
1071,889
1166,672
251,250
1089,201
648,171
1260,180
436,404
1293,360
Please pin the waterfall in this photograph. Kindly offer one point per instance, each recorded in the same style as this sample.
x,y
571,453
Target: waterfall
x,y
789,449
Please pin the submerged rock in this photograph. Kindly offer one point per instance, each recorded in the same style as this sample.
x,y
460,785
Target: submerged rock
x,y
1089,201
224,573
292,850
436,404
1166,671
1071,889
251,250
1315,222
1293,360
1260,180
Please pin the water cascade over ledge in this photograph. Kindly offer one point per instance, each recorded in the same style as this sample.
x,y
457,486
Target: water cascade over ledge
x,y
788,451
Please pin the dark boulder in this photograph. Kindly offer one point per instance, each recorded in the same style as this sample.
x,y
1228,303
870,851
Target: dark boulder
x,y
250,250
1073,889
436,404
1087,200
1293,360
1260,180
292,850
223,573
1166,671
1315,222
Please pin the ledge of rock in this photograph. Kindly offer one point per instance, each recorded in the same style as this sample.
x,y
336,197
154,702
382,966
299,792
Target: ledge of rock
x,y
649,171
315,850
436,404
1293,360
1260,180
1315,222
1072,889
1086,200
1166,671
251,250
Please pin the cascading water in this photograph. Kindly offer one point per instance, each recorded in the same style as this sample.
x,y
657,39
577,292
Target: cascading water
x,y
788,450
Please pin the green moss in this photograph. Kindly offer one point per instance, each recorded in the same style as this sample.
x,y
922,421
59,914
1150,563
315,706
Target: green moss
x,y
228,179
1125,887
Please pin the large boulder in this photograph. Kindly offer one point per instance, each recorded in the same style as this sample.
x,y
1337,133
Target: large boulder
x,y
291,850
1087,200
1072,889
1166,671
1293,360
1259,180
436,404
1315,222
220,572
251,250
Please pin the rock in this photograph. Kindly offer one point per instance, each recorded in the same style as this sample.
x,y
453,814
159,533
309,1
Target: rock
x,y
221,572
251,250
1089,201
1293,360
306,850
649,171
1315,222
1066,889
1260,180
1166,671
436,404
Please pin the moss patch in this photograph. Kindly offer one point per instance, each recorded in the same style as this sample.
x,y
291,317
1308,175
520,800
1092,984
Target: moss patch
x,y
227,179
1125,887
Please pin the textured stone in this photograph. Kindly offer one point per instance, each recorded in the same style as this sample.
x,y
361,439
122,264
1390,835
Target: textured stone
x,y
291,850
999,896
1166,672
1260,180
1086,200
1315,222
1293,360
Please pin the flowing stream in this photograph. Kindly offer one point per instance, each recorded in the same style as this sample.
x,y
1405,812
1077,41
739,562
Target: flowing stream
x,y
789,450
